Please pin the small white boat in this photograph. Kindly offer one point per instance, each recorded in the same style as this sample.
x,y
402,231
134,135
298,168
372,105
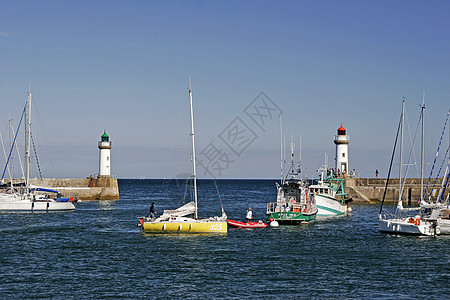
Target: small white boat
x,y
408,226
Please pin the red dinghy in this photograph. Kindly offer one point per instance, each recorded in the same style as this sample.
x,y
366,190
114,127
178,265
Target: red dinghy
x,y
234,223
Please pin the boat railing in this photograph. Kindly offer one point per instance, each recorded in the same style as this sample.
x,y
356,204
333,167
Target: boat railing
x,y
271,207
287,207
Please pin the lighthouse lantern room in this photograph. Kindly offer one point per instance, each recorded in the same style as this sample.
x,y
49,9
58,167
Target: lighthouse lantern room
x,y
105,156
341,140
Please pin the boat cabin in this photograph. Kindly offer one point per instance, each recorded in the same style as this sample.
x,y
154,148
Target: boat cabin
x,y
322,190
291,197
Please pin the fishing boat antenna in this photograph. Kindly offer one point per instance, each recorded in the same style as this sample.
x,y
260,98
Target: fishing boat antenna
x,y
300,157
293,171
281,149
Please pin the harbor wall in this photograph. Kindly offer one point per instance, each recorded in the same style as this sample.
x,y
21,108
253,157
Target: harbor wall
x,y
100,188
371,190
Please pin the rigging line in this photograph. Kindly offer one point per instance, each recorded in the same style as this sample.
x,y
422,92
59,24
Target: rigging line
x,y
12,147
437,153
18,156
37,160
390,165
217,189
188,190
46,140
411,153
439,172
180,136
444,186
4,154
415,136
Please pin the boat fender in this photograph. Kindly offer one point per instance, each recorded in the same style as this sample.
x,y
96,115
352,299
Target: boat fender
x,y
274,224
271,219
190,226
417,222
164,227
179,228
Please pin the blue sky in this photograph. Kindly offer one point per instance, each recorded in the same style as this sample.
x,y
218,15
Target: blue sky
x,y
124,66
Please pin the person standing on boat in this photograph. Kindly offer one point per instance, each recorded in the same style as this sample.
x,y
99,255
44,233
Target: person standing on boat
x,y
249,215
152,212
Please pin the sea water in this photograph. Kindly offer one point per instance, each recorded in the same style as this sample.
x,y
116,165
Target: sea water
x,y
97,251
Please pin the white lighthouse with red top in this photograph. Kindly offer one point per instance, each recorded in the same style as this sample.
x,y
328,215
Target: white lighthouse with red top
x,y
341,140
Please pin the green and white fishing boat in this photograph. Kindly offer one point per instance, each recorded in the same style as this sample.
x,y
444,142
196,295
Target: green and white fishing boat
x,y
329,195
293,206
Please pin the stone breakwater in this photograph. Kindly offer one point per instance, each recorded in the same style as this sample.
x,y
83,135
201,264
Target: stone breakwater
x,y
371,190
100,188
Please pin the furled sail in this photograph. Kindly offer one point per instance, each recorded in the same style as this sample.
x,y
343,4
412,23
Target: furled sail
x,y
187,209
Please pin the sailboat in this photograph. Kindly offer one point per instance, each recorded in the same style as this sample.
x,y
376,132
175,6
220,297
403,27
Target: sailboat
x,y
329,194
293,206
185,219
399,223
26,197
438,209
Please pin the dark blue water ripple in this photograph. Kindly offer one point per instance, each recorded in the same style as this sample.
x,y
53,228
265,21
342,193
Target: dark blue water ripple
x,y
98,252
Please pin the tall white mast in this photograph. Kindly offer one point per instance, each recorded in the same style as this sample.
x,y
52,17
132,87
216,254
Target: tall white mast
x,y
422,148
194,171
27,141
400,204
11,136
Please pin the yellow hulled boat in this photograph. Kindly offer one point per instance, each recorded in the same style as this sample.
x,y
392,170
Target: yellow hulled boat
x,y
175,221
184,225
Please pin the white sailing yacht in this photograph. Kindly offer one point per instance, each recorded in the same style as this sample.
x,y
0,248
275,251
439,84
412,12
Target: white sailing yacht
x,y
399,223
438,209
178,220
26,197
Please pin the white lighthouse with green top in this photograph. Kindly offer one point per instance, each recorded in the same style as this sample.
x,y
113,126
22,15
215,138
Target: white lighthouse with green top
x,y
105,155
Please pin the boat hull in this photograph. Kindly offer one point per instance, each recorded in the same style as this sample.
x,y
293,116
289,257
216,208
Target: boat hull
x,y
407,227
238,224
36,206
291,218
329,207
443,226
195,226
